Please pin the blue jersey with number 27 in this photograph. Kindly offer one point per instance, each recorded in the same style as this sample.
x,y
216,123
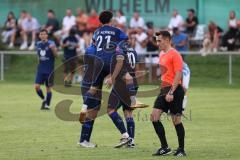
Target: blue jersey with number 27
x,y
107,38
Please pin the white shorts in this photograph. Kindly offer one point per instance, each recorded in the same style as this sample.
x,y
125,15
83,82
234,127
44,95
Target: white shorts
x,y
7,34
186,76
153,60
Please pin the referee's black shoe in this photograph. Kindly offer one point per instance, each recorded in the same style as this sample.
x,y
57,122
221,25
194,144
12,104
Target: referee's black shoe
x,y
179,152
43,105
163,151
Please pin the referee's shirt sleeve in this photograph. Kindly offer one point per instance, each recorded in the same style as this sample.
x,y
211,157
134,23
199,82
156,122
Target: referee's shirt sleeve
x,y
177,62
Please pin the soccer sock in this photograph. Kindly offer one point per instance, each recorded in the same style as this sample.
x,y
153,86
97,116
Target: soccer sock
x,y
117,120
130,127
40,94
87,98
86,130
161,133
181,134
49,97
90,131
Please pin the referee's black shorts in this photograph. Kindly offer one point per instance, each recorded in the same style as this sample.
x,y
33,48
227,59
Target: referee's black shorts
x,y
175,106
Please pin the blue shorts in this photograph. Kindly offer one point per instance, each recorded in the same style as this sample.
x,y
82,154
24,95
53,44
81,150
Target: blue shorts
x,y
119,97
44,78
93,102
99,75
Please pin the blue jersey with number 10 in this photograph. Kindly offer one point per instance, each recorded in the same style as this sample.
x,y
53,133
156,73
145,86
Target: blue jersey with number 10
x,y
130,55
107,38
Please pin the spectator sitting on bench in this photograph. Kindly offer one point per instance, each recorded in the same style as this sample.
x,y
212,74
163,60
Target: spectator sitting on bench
x,y
30,26
9,30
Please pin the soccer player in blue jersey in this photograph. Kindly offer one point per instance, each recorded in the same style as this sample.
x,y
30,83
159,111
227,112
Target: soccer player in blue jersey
x,y
185,82
106,38
125,86
88,103
46,51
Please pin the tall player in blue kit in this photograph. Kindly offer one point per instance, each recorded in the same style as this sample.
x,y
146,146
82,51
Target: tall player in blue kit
x,y
88,122
107,38
46,51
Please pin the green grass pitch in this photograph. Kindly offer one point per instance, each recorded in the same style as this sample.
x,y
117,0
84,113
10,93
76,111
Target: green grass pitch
x,y
26,133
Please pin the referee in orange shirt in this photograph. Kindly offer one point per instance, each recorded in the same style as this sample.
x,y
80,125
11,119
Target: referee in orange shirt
x,y
171,94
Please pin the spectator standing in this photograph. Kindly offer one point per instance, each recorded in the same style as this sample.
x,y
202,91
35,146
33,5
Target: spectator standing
x,y
81,24
176,21
93,21
30,26
137,21
154,59
9,30
68,22
121,20
191,22
140,46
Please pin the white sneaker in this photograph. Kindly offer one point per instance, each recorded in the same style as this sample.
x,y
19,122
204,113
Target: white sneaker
x,y
47,107
231,41
214,50
87,144
223,49
5,39
32,46
11,45
23,46
123,141
203,52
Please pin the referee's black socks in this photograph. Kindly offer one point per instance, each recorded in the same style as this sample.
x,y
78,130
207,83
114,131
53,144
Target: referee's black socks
x,y
161,133
181,134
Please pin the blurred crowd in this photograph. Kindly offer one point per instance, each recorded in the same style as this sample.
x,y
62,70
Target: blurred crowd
x,y
22,31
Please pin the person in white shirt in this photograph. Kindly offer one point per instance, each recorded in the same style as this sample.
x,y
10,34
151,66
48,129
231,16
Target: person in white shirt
x,y
121,20
139,43
176,21
30,26
68,22
230,37
137,21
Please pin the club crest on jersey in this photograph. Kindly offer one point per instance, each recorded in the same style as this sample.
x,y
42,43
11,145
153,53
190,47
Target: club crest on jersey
x,y
42,53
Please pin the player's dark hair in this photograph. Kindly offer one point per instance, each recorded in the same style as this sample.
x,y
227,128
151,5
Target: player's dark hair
x,y
44,30
72,32
164,34
105,16
51,11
